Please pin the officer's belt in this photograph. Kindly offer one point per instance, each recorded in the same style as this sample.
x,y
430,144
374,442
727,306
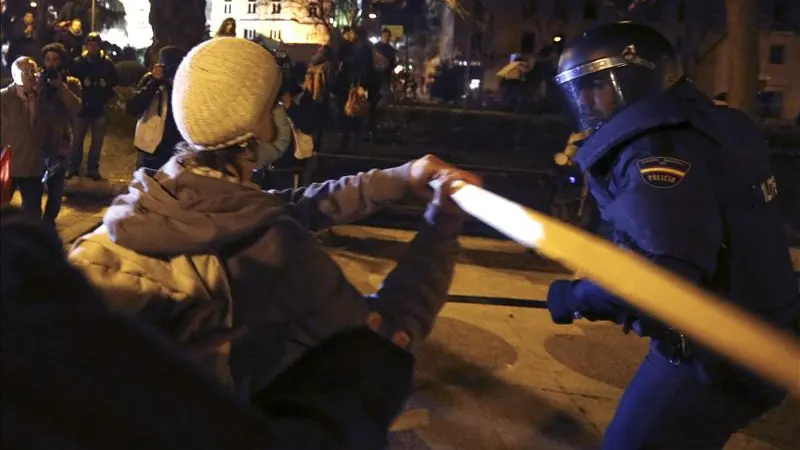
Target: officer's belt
x,y
677,347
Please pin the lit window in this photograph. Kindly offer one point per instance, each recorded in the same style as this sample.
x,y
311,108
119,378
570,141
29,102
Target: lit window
x,y
251,7
227,8
276,8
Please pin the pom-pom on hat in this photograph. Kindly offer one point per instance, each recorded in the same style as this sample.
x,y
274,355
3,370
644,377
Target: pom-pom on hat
x,y
221,91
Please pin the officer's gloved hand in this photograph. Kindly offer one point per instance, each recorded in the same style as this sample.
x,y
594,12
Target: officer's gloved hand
x,y
563,306
568,300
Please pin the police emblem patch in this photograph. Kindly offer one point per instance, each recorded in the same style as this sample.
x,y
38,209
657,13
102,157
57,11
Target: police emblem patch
x,y
663,172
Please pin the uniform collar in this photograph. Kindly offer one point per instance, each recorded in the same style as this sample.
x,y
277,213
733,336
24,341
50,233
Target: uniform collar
x,y
670,108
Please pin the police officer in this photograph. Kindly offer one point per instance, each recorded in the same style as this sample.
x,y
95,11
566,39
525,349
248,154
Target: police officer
x,y
688,185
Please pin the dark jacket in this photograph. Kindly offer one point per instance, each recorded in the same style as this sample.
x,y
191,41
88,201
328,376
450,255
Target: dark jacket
x,y
690,186
98,77
286,289
356,65
389,53
73,43
76,375
146,91
57,110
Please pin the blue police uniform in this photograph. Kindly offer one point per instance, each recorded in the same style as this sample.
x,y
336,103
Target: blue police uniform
x,y
687,184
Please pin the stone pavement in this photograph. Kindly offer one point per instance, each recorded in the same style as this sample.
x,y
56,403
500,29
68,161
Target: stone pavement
x,y
498,377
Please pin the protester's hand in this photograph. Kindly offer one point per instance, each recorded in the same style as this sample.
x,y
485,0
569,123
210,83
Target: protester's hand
x,y
158,71
398,337
430,168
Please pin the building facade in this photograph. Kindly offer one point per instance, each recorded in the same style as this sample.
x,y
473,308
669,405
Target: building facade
x,y
287,21
779,56
509,28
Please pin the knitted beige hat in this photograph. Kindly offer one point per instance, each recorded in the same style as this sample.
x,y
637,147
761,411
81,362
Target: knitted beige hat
x,y
221,91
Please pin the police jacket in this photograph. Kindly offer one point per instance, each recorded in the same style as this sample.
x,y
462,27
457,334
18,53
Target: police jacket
x,y
689,185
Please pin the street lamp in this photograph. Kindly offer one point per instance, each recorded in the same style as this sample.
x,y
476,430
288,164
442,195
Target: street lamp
x,y
372,15
94,11
34,4
558,43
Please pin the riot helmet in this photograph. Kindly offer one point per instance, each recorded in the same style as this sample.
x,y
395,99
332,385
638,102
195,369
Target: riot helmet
x,y
612,66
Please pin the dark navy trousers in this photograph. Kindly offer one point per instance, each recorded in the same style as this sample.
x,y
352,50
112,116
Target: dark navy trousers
x,y
666,406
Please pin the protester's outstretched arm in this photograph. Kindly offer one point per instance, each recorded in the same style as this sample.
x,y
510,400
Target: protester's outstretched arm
x,y
354,197
347,199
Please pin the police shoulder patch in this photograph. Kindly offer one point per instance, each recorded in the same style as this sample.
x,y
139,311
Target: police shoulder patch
x,y
663,172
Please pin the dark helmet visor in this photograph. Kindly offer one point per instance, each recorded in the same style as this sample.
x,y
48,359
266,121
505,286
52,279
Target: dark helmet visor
x,y
594,98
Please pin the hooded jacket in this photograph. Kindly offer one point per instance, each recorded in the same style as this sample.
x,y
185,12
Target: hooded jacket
x,y
78,376
287,291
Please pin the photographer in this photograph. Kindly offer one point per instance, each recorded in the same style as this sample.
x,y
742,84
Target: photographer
x,y
156,133
59,102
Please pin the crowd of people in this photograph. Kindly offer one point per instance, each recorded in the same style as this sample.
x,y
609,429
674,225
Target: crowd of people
x,y
206,314
343,86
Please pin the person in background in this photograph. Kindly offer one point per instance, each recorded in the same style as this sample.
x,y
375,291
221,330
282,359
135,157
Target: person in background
x,y
70,34
77,375
36,108
156,86
18,103
315,100
383,78
24,39
228,28
60,101
356,69
98,77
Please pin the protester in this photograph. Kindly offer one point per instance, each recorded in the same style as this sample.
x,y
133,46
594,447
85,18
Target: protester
x,y
156,132
56,112
36,109
200,218
76,375
98,76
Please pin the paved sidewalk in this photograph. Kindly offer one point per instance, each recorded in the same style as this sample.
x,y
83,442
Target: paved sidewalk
x,y
507,378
